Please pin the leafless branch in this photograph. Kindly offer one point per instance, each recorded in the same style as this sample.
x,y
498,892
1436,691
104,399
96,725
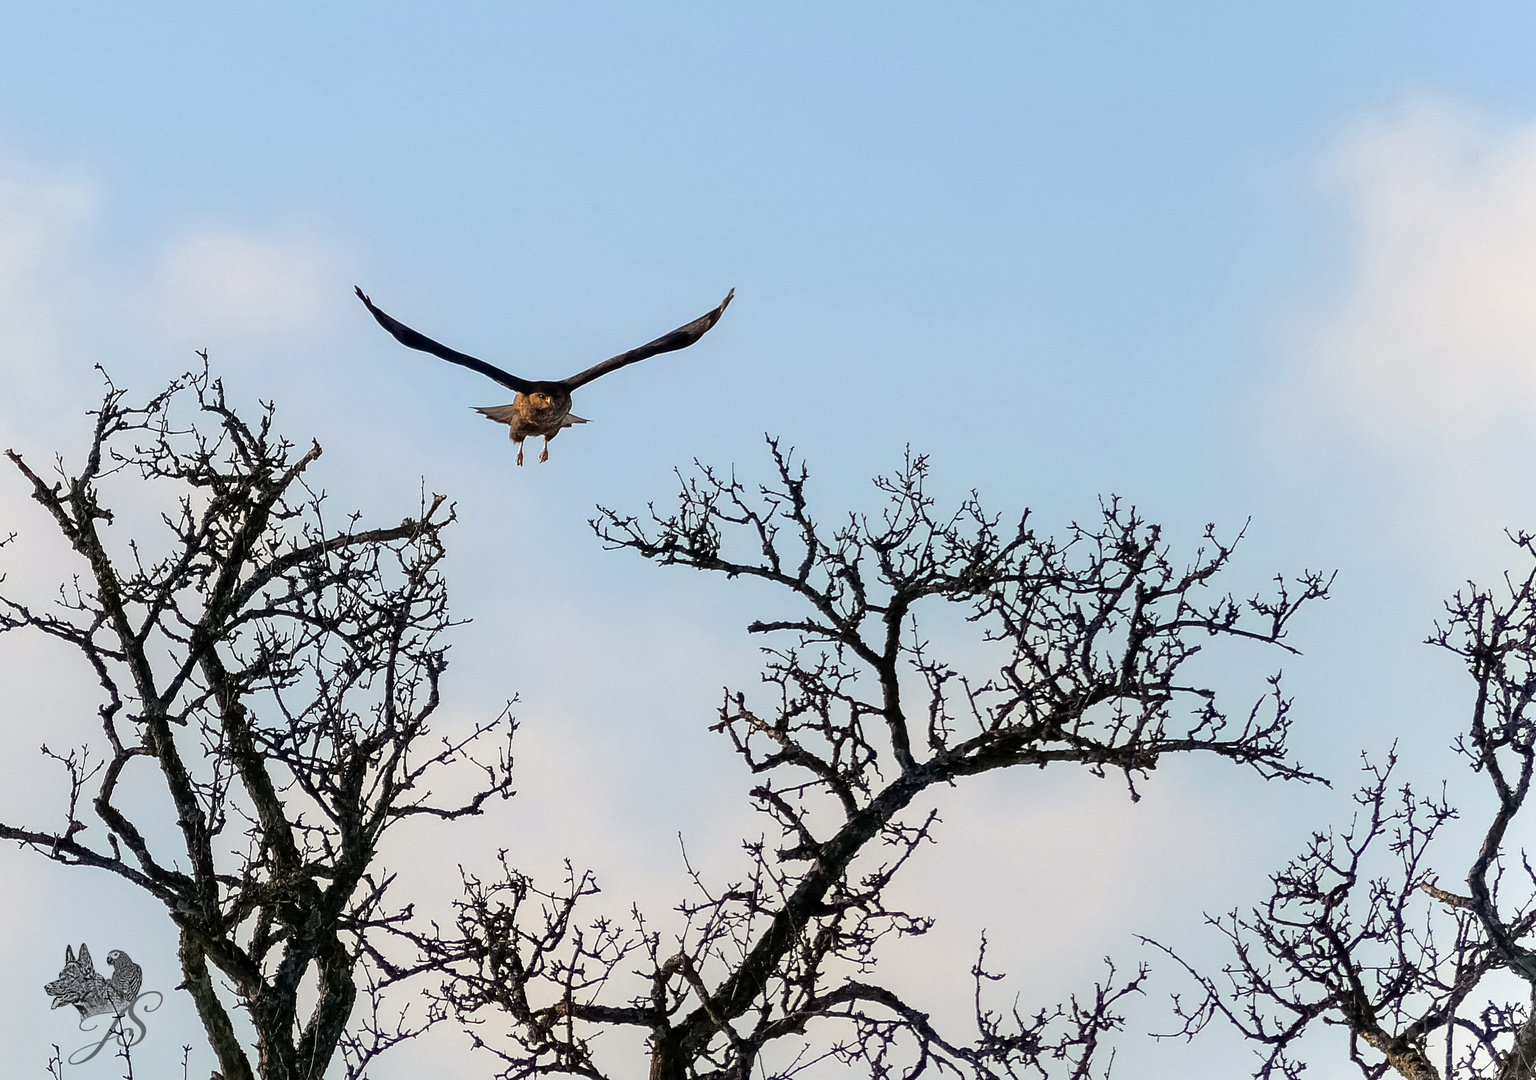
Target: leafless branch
x,y
858,719
1397,960
278,675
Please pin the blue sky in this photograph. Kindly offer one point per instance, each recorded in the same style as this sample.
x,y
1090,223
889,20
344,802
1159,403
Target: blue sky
x,y
1221,260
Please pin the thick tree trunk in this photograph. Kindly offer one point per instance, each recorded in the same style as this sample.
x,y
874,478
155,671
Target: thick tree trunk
x,y
216,1023
1520,1064
668,1062
1404,1056
1411,1064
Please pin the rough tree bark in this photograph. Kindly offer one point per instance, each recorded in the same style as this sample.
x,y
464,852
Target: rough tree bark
x,y
277,674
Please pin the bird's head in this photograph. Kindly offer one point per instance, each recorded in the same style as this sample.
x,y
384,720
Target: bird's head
x,y
540,399
115,957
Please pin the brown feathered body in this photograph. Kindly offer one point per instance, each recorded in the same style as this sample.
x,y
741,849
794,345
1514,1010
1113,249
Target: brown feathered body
x,y
544,411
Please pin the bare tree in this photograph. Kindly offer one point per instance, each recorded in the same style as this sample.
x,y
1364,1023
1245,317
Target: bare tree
x,y
858,719
276,675
1367,940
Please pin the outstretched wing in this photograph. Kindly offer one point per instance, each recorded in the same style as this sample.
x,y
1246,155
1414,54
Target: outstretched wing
x,y
412,340
680,338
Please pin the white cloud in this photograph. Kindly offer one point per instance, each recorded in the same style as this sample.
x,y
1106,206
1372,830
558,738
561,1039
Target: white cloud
x,y
220,282
1436,335
40,222
69,299
35,217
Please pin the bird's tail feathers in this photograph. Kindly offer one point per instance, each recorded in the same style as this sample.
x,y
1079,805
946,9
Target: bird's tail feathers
x,y
505,414
502,414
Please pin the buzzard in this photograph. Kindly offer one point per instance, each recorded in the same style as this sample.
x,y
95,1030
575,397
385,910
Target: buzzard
x,y
543,407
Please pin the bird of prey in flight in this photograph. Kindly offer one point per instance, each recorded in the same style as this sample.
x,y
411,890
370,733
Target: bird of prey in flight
x,y
543,407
